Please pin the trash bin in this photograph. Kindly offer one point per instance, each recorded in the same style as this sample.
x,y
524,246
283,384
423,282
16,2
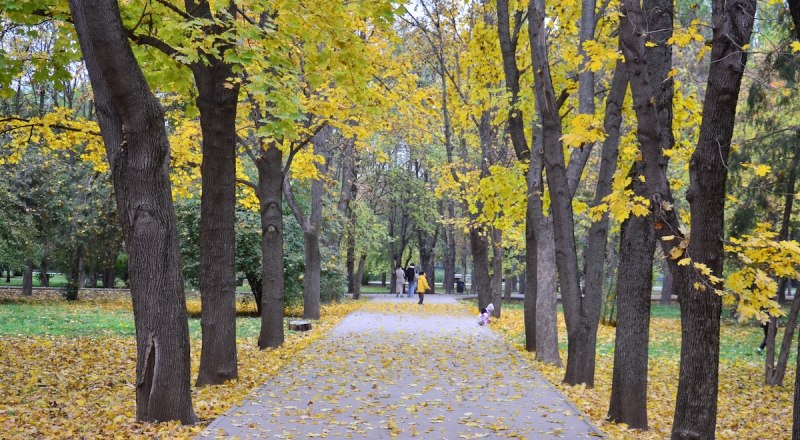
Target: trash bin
x,y
459,286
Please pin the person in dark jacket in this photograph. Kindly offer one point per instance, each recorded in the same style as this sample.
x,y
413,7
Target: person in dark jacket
x,y
411,278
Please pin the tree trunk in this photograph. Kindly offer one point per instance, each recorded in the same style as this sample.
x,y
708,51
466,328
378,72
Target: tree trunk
x,y
27,279
133,129
256,286
696,403
508,285
362,264
427,243
774,374
450,253
270,195
666,286
217,101
547,299
634,286
638,242
351,257
311,225
796,400
75,274
109,273
44,277
311,279
497,271
480,266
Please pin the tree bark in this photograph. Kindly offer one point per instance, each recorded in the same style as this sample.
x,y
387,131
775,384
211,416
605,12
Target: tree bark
x,y
450,252
666,286
479,247
270,195
256,286
45,265
696,403
638,242
133,129
362,264
547,298
497,271
507,286
27,279
217,101
634,286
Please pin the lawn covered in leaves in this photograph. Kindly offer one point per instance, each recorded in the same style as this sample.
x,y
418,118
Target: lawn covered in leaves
x,y
747,409
67,370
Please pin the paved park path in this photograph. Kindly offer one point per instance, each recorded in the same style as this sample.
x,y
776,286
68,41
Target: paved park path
x,y
385,376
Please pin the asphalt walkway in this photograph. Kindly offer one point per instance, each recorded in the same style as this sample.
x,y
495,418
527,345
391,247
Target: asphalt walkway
x,y
386,376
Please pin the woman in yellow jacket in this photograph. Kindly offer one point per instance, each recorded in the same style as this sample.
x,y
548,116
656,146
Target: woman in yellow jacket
x,y
422,286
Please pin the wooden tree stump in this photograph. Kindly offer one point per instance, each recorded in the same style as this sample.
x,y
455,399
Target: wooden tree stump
x,y
300,326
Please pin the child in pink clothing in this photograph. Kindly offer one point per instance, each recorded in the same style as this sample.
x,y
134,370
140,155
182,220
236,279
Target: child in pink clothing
x,y
486,315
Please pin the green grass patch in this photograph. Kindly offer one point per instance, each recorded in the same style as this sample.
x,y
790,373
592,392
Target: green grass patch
x,y
55,281
64,319
88,319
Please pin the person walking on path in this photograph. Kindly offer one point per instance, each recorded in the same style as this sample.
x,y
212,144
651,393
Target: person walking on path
x,y
422,286
401,279
411,277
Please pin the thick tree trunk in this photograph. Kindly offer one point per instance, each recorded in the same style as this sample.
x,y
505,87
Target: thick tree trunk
x,y
637,245
696,403
27,279
497,271
217,101
362,264
133,129
529,282
634,286
270,192
480,267
547,299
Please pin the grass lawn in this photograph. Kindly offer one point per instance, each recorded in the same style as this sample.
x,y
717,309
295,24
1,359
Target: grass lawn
x,y
58,280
